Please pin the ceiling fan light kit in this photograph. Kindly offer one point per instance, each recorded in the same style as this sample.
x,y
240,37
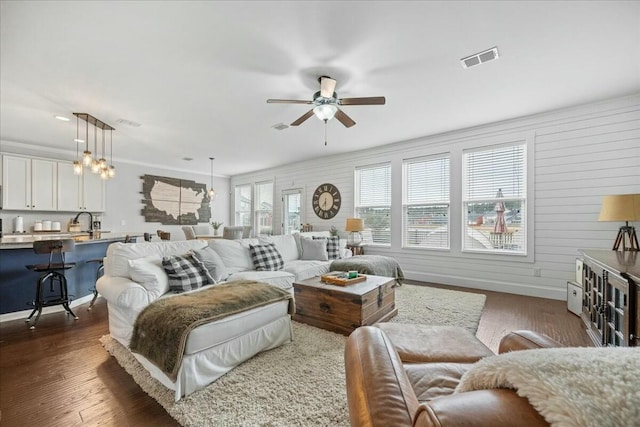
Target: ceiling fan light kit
x,y
325,111
326,104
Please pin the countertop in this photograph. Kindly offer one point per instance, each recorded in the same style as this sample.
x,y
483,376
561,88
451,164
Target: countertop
x,y
25,241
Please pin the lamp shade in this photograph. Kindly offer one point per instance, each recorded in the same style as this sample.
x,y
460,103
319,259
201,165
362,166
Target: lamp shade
x,y
354,224
620,207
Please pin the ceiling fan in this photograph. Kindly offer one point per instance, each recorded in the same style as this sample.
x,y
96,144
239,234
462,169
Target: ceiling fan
x,y
326,103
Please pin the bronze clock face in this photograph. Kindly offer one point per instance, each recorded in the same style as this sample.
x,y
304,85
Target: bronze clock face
x,y
326,201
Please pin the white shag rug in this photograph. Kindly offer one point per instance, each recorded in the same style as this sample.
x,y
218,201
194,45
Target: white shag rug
x,y
301,383
569,387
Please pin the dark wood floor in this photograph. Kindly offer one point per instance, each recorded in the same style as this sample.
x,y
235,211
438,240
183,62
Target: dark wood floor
x,y
59,374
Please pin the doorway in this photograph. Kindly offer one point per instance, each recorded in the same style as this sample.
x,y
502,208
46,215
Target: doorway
x,y
292,210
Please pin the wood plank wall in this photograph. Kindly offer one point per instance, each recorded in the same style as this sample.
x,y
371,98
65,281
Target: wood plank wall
x,y
577,156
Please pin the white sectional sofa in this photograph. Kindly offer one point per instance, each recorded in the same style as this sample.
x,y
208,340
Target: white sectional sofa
x,y
134,278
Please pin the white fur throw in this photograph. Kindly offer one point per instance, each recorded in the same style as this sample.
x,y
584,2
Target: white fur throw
x,y
567,386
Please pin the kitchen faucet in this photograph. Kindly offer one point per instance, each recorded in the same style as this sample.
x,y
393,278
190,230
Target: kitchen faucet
x,y
75,221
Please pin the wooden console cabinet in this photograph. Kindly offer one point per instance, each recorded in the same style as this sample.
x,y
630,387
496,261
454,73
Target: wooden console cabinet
x,y
611,297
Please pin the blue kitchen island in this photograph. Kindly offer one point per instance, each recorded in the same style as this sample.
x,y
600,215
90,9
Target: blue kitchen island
x,y
18,284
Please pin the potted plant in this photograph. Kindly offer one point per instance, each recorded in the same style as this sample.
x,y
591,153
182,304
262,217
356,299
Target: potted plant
x,y
216,226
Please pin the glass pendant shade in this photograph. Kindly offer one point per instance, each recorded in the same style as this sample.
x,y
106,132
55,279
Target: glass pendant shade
x,y
325,111
95,166
77,167
104,174
86,158
111,171
102,163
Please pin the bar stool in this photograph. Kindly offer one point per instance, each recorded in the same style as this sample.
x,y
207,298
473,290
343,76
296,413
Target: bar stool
x,y
99,273
52,272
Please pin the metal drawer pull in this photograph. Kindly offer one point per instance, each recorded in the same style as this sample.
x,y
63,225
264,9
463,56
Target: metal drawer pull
x,y
324,307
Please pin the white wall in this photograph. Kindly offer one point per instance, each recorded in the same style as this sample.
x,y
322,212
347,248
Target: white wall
x,y
123,195
124,199
578,156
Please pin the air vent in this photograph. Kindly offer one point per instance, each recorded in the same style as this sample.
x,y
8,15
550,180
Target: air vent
x,y
187,159
128,123
480,58
280,126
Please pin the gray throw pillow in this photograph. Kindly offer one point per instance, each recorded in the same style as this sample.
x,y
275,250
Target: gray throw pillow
x,y
212,262
314,249
333,246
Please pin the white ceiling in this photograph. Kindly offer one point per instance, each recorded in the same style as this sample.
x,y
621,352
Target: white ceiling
x,y
196,75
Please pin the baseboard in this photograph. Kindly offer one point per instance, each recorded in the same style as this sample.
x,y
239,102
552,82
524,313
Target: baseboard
x,y
46,310
489,285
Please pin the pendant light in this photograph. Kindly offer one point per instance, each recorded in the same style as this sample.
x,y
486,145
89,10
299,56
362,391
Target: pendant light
x,y
212,191
77,164
86,154
112,169
102,162
95,166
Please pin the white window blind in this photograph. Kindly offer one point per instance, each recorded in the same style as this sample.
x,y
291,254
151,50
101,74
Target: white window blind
x,y
373,201
494,199
243,205
426,202
264,207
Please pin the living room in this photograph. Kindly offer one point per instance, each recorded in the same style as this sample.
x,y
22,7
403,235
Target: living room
x,y
574,115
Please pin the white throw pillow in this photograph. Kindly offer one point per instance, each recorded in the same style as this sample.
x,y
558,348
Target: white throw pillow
x,y
234,253
148,271
314,249
285,244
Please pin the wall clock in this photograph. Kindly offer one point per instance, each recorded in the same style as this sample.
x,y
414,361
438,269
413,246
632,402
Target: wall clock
x,y
326,201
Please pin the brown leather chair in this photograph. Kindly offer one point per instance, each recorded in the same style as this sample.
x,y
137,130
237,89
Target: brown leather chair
x,y
405,375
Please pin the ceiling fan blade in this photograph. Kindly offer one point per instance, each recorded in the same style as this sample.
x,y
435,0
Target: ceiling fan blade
x,y
302,118
288,101
371,100
327,86
344,119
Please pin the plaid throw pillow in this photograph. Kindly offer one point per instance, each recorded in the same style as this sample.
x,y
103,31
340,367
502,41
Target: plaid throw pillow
x,y
333,246
185,273
266,257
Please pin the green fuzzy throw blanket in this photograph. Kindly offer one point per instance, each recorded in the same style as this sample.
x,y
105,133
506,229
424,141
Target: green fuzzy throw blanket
x,y
161,329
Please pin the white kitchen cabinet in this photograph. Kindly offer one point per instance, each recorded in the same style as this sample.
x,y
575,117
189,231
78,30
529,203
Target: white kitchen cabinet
x,y
93,189
29,184
84,192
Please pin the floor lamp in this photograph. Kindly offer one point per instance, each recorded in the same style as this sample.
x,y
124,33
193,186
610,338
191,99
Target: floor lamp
x,y
622,207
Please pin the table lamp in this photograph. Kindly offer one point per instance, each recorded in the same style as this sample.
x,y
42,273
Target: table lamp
x,y
354,227
622,207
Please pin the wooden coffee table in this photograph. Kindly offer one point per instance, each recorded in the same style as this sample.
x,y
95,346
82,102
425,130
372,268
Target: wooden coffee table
x,y
342,309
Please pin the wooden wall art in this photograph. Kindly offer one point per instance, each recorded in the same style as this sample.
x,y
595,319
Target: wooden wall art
x,y
174,201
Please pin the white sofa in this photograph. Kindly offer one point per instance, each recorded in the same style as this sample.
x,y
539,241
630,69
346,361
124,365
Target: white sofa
x,y
133,278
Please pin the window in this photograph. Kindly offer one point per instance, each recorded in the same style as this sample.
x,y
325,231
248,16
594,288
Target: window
x,y
426,202
264,207
243,205
373,201
494,199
